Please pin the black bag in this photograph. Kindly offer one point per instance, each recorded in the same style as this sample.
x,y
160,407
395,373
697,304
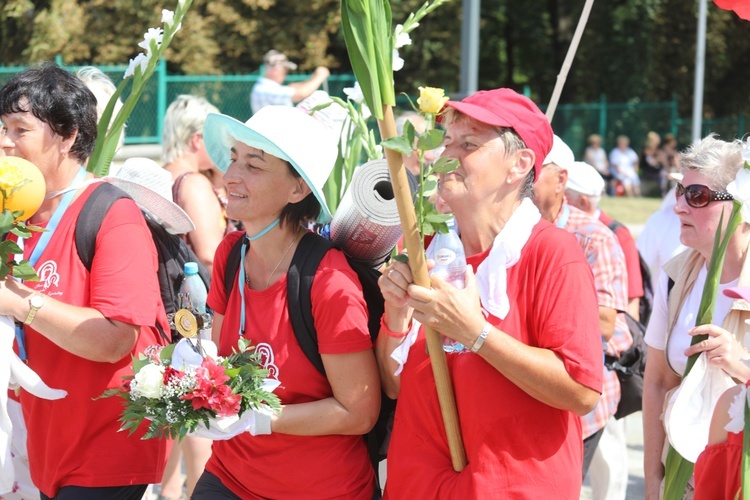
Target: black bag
x,y
305,261
646,303
172,250
630,369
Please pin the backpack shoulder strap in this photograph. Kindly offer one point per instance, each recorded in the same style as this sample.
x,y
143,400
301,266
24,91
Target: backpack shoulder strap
x,y
614,226
233,265
90,219
305,262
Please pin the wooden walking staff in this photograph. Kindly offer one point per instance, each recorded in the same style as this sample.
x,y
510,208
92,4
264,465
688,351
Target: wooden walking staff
x,y
369,41
418,266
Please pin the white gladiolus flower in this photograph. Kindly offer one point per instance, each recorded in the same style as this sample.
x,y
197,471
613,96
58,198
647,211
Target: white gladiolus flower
x,y
140,60
739,188
156,34
746,151
398,63
355,93
167,17
401,39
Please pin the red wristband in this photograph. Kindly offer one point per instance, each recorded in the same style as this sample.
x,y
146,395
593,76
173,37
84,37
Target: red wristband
x,y
390,333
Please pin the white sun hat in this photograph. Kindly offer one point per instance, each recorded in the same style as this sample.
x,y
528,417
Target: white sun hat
x,y
560,154
282,131
150,186
584,179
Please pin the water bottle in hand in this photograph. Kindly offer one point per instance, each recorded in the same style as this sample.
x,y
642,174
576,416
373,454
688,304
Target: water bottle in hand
x,y
450,265
193,293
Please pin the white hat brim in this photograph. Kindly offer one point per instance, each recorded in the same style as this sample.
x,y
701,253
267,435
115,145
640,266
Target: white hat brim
x,y
168,214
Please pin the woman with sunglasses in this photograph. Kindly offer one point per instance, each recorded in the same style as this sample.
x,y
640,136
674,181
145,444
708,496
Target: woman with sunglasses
x,y
708,167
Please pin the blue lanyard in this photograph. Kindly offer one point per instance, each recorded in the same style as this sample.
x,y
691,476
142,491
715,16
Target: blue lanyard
x,y
241,274
41,245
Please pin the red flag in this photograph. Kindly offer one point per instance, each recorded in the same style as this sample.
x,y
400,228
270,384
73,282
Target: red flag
x,y
740,7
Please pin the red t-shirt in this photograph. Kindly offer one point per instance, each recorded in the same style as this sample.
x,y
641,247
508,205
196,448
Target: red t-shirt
x,y
718,469
632,259
516,446
281,465
75,441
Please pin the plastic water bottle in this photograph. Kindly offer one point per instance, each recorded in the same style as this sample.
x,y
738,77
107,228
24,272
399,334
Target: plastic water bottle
x,y
193,292
450,264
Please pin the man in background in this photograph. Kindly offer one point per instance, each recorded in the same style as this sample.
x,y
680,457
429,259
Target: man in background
x,y
270,88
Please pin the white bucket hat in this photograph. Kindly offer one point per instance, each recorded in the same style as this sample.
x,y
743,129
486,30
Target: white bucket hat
x,y
284,132
150,186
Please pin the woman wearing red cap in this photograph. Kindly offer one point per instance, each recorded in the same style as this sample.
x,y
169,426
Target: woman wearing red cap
x,y
528,317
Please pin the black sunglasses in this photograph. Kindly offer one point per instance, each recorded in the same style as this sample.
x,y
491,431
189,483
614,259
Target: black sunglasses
x,y
698,195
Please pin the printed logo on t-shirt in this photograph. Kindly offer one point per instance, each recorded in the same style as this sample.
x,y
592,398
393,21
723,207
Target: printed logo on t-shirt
x,y
48,275
265,351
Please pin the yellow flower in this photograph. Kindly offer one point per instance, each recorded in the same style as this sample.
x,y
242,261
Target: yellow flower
x,y
11,175
431,100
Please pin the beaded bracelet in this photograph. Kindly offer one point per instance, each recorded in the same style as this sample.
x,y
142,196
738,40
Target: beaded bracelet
x,y
390,333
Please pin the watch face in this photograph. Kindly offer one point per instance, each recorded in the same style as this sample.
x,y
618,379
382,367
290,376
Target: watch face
x,y
37,301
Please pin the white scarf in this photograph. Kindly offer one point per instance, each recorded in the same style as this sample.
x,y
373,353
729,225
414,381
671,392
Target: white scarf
x,y
492,273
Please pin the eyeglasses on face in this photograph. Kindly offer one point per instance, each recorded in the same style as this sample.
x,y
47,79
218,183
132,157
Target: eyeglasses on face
x,y
698,195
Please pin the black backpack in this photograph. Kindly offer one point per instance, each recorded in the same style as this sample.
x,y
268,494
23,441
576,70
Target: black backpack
x,y
172,250
647,301
307,257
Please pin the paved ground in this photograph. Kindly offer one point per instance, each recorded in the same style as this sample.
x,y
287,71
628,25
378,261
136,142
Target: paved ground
x,y
634,431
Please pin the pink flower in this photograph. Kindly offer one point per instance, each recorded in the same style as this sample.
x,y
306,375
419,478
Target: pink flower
x,y
211,392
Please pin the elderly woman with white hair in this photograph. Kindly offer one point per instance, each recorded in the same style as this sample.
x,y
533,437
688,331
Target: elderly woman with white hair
x,y
708,167
275,167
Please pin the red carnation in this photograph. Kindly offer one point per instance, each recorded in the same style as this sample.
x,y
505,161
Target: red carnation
x,y
740,7
170,373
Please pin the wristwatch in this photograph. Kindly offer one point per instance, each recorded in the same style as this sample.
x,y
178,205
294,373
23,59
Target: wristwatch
x,y
36,301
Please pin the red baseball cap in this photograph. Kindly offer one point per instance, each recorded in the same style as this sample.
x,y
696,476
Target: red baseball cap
x,y
508,108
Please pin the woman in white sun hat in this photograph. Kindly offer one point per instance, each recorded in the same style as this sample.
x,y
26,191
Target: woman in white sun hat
x,y
275,166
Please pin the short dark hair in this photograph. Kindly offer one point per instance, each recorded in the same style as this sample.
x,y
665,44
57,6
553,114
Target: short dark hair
x,y
59,99
303,211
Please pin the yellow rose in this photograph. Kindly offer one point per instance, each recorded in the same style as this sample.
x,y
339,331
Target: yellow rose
x,y
431,100
11,175
29,196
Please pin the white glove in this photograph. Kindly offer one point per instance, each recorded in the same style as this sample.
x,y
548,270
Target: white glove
x,y
256,422
185,354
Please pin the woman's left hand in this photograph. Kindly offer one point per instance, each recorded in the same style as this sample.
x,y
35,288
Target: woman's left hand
x,y
454,312
722,350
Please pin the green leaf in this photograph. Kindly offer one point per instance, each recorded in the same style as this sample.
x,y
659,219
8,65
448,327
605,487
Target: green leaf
x,y
24,271
8,247
431,139
139,362
21,232
430,186
398,143
445,165
166,353
6,221
401,257
409,131
4,270
438,218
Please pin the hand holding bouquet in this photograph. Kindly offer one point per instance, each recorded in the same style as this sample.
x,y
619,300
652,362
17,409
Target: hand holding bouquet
x,y
185,388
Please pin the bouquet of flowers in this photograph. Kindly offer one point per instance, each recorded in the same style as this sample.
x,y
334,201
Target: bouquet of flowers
x,y
180,386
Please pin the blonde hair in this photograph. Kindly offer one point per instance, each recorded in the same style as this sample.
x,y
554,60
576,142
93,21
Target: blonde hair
x,y
184,118
103,89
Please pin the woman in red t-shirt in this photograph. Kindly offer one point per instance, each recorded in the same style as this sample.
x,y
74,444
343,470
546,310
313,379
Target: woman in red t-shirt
x,y
528,318
275,167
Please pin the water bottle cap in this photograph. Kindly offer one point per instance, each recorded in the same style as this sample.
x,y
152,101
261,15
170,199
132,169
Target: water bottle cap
x,y
191,268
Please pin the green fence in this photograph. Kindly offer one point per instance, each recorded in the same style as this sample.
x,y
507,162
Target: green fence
x,y
229,93
573,122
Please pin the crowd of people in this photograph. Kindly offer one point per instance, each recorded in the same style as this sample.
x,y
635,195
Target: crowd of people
x,y
550,282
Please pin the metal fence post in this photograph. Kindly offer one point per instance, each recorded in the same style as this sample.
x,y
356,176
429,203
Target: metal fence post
x,y
675,117
161,96
603,117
